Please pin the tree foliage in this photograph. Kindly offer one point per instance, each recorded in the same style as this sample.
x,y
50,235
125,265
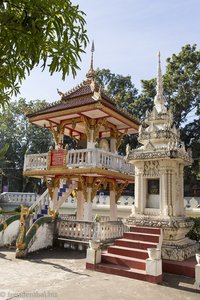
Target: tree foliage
x,y
182,82
21,136
49,32
3,151
181,86
194,233
118,87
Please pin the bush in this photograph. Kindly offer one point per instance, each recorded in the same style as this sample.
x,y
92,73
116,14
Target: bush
x,y
194,233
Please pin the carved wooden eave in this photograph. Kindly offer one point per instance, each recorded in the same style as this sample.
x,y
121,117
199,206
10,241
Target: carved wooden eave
x,y
118,188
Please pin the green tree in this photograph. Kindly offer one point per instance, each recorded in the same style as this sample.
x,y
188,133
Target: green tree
x,y
144,101
47,32
3,151
190,134
118,87
182,82
21,136
181,86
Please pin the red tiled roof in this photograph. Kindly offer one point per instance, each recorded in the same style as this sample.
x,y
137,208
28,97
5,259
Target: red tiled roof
x,y
80,96
75,102
83,90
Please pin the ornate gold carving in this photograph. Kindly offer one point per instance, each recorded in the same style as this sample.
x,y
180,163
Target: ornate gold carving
x,y
96,186
93,125
118,188
74,122
83,186
52,185
4,226
25,211
119,137
97,95
52,213
87,127
58,133
99,123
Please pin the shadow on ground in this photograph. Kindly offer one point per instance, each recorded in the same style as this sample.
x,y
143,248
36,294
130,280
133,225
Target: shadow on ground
x,y
62,259
179,282
42,256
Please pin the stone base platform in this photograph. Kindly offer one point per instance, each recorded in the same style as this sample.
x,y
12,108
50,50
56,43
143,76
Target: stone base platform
x,y
179,250
174,245
185,268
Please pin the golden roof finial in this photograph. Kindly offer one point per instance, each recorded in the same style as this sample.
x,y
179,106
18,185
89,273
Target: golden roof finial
x,y
91,73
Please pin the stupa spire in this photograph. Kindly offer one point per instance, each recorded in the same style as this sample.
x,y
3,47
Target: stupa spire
x,y
159,99
91,73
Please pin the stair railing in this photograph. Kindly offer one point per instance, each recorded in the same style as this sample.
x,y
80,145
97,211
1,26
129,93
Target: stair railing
x,y
42,199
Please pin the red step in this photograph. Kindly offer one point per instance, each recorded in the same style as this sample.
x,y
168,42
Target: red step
x,y
125,272
127,257
154,238
130,252
134,244
130,262
145,230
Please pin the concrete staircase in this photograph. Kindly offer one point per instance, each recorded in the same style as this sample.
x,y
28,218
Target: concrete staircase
x,y
127,257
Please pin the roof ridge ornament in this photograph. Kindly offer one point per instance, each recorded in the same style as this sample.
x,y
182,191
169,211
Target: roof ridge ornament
x,y
61,94
159,99
97,95
91,73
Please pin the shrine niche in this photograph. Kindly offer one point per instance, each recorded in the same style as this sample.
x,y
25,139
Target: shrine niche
x,y
153,193
153,186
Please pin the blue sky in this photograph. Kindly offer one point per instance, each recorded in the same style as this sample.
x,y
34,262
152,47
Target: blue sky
x,y
128,35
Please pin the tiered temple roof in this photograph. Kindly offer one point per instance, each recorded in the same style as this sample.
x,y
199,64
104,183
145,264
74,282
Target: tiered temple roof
x,y
85,100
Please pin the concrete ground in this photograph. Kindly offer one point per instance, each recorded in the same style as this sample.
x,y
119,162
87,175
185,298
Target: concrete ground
x,y
60,274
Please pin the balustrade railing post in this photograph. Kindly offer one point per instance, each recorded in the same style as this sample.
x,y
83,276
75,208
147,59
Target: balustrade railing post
x,y
96,231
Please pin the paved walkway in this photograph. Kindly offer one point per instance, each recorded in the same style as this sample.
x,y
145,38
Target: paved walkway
x,y
60,274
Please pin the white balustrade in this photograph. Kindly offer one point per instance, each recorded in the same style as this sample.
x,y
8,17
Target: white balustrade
x,y
82,158
107,231
81,230
67,217
18,198
98,158
35,161
41,202
75,229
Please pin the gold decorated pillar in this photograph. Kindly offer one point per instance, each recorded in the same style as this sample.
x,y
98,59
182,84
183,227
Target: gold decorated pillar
x,y
80,205
113,206
113,141
86,197
89,131
116,190
53,188
88,205
58,134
